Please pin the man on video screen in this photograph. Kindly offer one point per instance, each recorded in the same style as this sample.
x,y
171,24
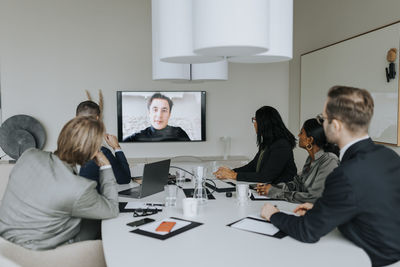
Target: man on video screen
x,y
159,108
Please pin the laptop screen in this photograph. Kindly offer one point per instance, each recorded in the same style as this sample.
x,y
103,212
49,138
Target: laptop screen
x,y
155,176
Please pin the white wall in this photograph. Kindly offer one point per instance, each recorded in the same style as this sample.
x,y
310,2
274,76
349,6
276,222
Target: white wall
x,y
52,50
318,23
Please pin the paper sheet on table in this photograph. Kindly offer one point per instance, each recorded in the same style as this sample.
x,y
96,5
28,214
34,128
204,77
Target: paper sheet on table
x,y
257,196
141,205
256,226
221,184
258,216
151,227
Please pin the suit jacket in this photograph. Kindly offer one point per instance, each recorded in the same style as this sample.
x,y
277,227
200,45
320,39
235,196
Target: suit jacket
x,y
309,185
45,201
277,165
118,163
362,199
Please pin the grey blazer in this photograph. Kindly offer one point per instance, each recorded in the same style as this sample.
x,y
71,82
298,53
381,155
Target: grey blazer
x,y
45,201
309,185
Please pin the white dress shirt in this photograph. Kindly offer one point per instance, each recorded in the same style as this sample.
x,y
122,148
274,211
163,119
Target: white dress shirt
x,y
344,149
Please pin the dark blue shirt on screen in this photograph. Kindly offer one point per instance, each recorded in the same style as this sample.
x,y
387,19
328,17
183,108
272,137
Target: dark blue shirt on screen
x,y
150,134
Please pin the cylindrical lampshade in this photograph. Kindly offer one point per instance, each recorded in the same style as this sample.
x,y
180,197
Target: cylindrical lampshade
x,y
281,35
162,70
230,27
170,71
174,23
210,71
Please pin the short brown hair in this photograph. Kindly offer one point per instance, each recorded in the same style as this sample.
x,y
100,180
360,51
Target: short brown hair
x,y
79,140
353,106
160,96
88,108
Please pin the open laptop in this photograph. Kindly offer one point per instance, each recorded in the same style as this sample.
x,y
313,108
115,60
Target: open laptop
x,y
155,176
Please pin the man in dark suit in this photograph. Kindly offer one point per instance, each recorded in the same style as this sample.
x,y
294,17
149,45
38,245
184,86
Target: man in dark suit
x,y
118,161
362,195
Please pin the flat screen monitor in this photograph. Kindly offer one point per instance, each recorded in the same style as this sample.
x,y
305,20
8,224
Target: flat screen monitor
x,y
161,116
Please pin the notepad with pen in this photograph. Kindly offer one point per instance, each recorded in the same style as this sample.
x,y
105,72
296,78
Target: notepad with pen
x,y
166,228
257,197
190,191
221,186
257,225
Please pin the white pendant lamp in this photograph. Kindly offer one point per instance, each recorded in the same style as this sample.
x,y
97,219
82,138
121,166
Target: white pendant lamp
x,y
217,71
170,71
193,38
230,27
162,70
281,35
174,24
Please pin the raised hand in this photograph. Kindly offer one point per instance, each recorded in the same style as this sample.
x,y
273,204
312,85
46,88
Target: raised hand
x,y
112,141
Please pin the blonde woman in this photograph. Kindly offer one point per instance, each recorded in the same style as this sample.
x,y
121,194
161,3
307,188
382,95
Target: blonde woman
x,y
46,201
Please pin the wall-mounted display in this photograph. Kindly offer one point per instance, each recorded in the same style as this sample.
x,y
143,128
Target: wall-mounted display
x,y
161,116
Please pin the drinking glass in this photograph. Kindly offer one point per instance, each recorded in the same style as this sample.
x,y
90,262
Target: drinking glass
x,y
180,177
242,193
200,192
170,195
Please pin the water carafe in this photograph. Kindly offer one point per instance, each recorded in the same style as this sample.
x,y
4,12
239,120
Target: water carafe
x,y
200,193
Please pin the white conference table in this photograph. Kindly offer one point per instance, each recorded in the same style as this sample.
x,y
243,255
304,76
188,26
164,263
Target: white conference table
x,y
215,244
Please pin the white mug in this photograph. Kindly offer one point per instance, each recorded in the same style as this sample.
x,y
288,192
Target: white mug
x,y
189,206
242,192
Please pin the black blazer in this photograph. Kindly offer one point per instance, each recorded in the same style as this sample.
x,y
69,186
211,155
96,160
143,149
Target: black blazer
x,y
361,198
277,165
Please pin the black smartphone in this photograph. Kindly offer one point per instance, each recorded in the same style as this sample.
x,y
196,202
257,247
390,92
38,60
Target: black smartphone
x,y
140,222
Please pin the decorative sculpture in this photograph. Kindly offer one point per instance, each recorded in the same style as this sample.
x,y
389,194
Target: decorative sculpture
x,y
20,132
391,71
101,101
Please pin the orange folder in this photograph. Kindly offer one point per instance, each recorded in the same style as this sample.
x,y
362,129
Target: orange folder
x,y
165,227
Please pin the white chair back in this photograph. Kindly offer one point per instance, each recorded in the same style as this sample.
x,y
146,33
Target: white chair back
x,y
86,253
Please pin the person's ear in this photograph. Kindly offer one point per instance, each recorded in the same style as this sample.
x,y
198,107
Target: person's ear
x,y
310,140
337,125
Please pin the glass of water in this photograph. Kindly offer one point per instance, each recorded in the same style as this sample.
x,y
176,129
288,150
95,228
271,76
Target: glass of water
x,y
180,178
170,195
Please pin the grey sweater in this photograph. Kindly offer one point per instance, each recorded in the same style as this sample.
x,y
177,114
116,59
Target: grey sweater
x,y
45,201
309,185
